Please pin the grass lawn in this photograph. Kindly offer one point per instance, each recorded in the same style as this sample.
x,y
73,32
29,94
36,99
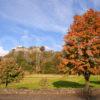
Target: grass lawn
x,y
39,81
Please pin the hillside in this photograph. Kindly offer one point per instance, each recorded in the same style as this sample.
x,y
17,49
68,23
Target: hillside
x,y
35,59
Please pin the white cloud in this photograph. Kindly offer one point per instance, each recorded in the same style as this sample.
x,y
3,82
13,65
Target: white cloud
x,y
2,51
53,16
47,48
47,15
50,15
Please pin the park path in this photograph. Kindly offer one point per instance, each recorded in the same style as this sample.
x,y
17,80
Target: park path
x,y
44,97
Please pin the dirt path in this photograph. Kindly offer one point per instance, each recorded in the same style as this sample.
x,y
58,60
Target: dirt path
x,y
44,97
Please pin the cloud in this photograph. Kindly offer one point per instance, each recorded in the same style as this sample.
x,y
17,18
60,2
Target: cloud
x,y
2,51
47,15
38,22
55,47
47,48
50,15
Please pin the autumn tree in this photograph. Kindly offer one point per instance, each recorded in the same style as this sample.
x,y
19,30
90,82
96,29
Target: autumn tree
x,y
81,52
9,71
42,48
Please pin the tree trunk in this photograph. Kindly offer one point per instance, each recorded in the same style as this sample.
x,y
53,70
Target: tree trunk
x,y
86,85
6,84
86,77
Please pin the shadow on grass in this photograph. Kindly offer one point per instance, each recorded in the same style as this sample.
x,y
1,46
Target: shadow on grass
x,y
95,82
67,84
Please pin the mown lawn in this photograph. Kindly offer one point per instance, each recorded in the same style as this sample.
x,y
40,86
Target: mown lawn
x,y
38,81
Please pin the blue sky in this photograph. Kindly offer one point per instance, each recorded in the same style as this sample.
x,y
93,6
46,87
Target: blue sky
x,y
38,22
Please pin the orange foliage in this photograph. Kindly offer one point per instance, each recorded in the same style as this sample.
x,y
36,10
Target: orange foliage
x,y
82,43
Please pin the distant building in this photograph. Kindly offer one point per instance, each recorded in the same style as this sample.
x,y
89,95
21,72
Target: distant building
x,y
30,49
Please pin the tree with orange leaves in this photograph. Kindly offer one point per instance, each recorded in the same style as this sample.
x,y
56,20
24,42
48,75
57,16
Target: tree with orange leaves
x,y
81,52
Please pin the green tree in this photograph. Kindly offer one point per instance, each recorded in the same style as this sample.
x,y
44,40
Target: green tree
x,y
9,71
50,62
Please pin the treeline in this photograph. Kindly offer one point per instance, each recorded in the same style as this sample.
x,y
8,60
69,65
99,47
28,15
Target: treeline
x,y
21,61
36,60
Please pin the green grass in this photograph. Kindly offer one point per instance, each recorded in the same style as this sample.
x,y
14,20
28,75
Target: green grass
x,y
38,81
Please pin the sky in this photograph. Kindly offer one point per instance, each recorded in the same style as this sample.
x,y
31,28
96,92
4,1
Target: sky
x,y
38,22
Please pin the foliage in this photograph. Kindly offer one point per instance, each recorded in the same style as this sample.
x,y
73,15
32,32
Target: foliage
x,y
36,61
50,62
23,60
81,51
9,71
42,48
